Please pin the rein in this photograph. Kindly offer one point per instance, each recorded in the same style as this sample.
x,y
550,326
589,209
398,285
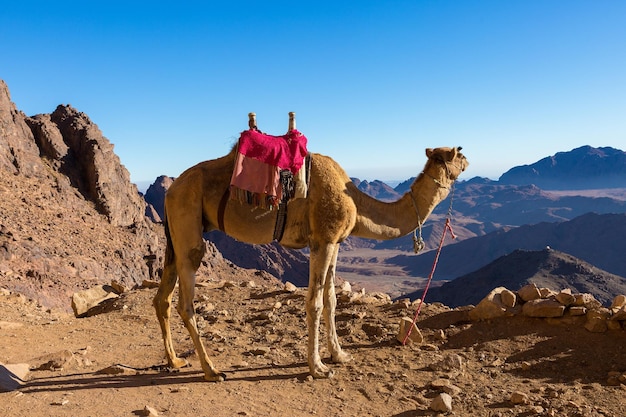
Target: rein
x,y
418,245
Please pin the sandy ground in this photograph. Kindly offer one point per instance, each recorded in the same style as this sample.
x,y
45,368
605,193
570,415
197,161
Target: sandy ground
x,y
556,370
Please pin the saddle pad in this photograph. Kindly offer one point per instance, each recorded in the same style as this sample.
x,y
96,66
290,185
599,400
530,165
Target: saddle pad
x,y
286,152
256,175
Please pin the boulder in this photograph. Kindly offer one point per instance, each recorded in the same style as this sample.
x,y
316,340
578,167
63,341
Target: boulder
x,y
406,323
490,307
565,297
529,292
83,301
543,308
13,376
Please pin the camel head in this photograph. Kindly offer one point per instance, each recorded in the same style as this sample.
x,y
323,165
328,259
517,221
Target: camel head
x,y
445,163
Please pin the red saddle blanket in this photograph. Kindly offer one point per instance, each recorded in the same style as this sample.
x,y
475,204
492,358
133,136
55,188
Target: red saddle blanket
x,y
260,158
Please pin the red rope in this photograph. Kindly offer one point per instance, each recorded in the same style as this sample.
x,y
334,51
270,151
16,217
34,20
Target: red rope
x,y
430,277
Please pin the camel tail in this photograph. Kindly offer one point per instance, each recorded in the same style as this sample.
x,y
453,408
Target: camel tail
x,y
169,248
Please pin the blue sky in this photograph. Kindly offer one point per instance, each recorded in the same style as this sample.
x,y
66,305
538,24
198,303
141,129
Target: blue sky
x,y
373,83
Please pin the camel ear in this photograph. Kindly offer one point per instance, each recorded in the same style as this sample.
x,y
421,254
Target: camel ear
x,y
429,152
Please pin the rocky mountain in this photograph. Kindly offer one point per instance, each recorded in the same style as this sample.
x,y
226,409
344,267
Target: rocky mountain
x,y
581,168
285,264
546,268
69,215
595,238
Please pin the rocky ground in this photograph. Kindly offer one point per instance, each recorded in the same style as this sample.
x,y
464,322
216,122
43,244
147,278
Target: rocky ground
x,y
112,364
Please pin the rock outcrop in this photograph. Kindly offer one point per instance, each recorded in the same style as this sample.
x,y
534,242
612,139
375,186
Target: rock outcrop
x,y
560,307
70,215
76,147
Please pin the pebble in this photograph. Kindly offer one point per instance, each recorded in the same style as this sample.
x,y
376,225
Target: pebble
x,y
442,402
519,397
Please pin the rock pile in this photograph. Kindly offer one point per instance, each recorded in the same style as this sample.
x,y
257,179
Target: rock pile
x,y
563,306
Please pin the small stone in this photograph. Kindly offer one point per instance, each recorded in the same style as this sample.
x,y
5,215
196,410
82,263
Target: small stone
x,y
277,305
450,362
546,292
54,361
442,402
519,397
452,389
440,383
260,351
118,288
116,370
289,287
149,411
147,283
415,336
345,287
228,284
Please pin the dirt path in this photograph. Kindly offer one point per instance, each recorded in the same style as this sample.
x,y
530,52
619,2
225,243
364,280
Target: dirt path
x,y
261,345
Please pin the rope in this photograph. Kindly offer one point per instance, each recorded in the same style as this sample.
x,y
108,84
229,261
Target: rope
x,y
447,227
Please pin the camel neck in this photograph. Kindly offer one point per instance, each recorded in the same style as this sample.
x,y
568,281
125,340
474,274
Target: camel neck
x,y
390,220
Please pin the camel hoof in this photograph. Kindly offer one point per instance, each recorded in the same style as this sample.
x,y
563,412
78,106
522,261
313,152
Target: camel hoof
x,y
322,372
219,377
342,357
178,363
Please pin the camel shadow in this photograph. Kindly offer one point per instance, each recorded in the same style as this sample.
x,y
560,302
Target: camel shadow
x,y
93,380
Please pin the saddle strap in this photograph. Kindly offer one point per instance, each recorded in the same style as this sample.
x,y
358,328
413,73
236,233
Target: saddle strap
x,y
286,183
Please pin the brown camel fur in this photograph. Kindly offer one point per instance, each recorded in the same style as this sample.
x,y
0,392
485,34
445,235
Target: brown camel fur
x,y
333,209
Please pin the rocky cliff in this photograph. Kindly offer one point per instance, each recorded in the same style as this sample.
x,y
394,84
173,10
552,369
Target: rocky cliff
x,y
69,215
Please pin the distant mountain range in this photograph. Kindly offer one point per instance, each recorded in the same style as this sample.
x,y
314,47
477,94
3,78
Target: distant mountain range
x,y
545,268
579,169
595,238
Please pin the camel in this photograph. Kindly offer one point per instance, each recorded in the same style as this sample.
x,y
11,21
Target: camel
x,y
333,209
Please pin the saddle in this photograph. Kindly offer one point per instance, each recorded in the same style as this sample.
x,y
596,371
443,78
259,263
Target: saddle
x,y
269,170
260,160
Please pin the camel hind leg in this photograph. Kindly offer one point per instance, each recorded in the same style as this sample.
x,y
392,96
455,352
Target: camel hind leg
x,y
163,306
185,307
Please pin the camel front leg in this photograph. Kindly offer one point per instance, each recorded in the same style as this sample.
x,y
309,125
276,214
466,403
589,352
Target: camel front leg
x,y
338,355
320,259
163,306
187,312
